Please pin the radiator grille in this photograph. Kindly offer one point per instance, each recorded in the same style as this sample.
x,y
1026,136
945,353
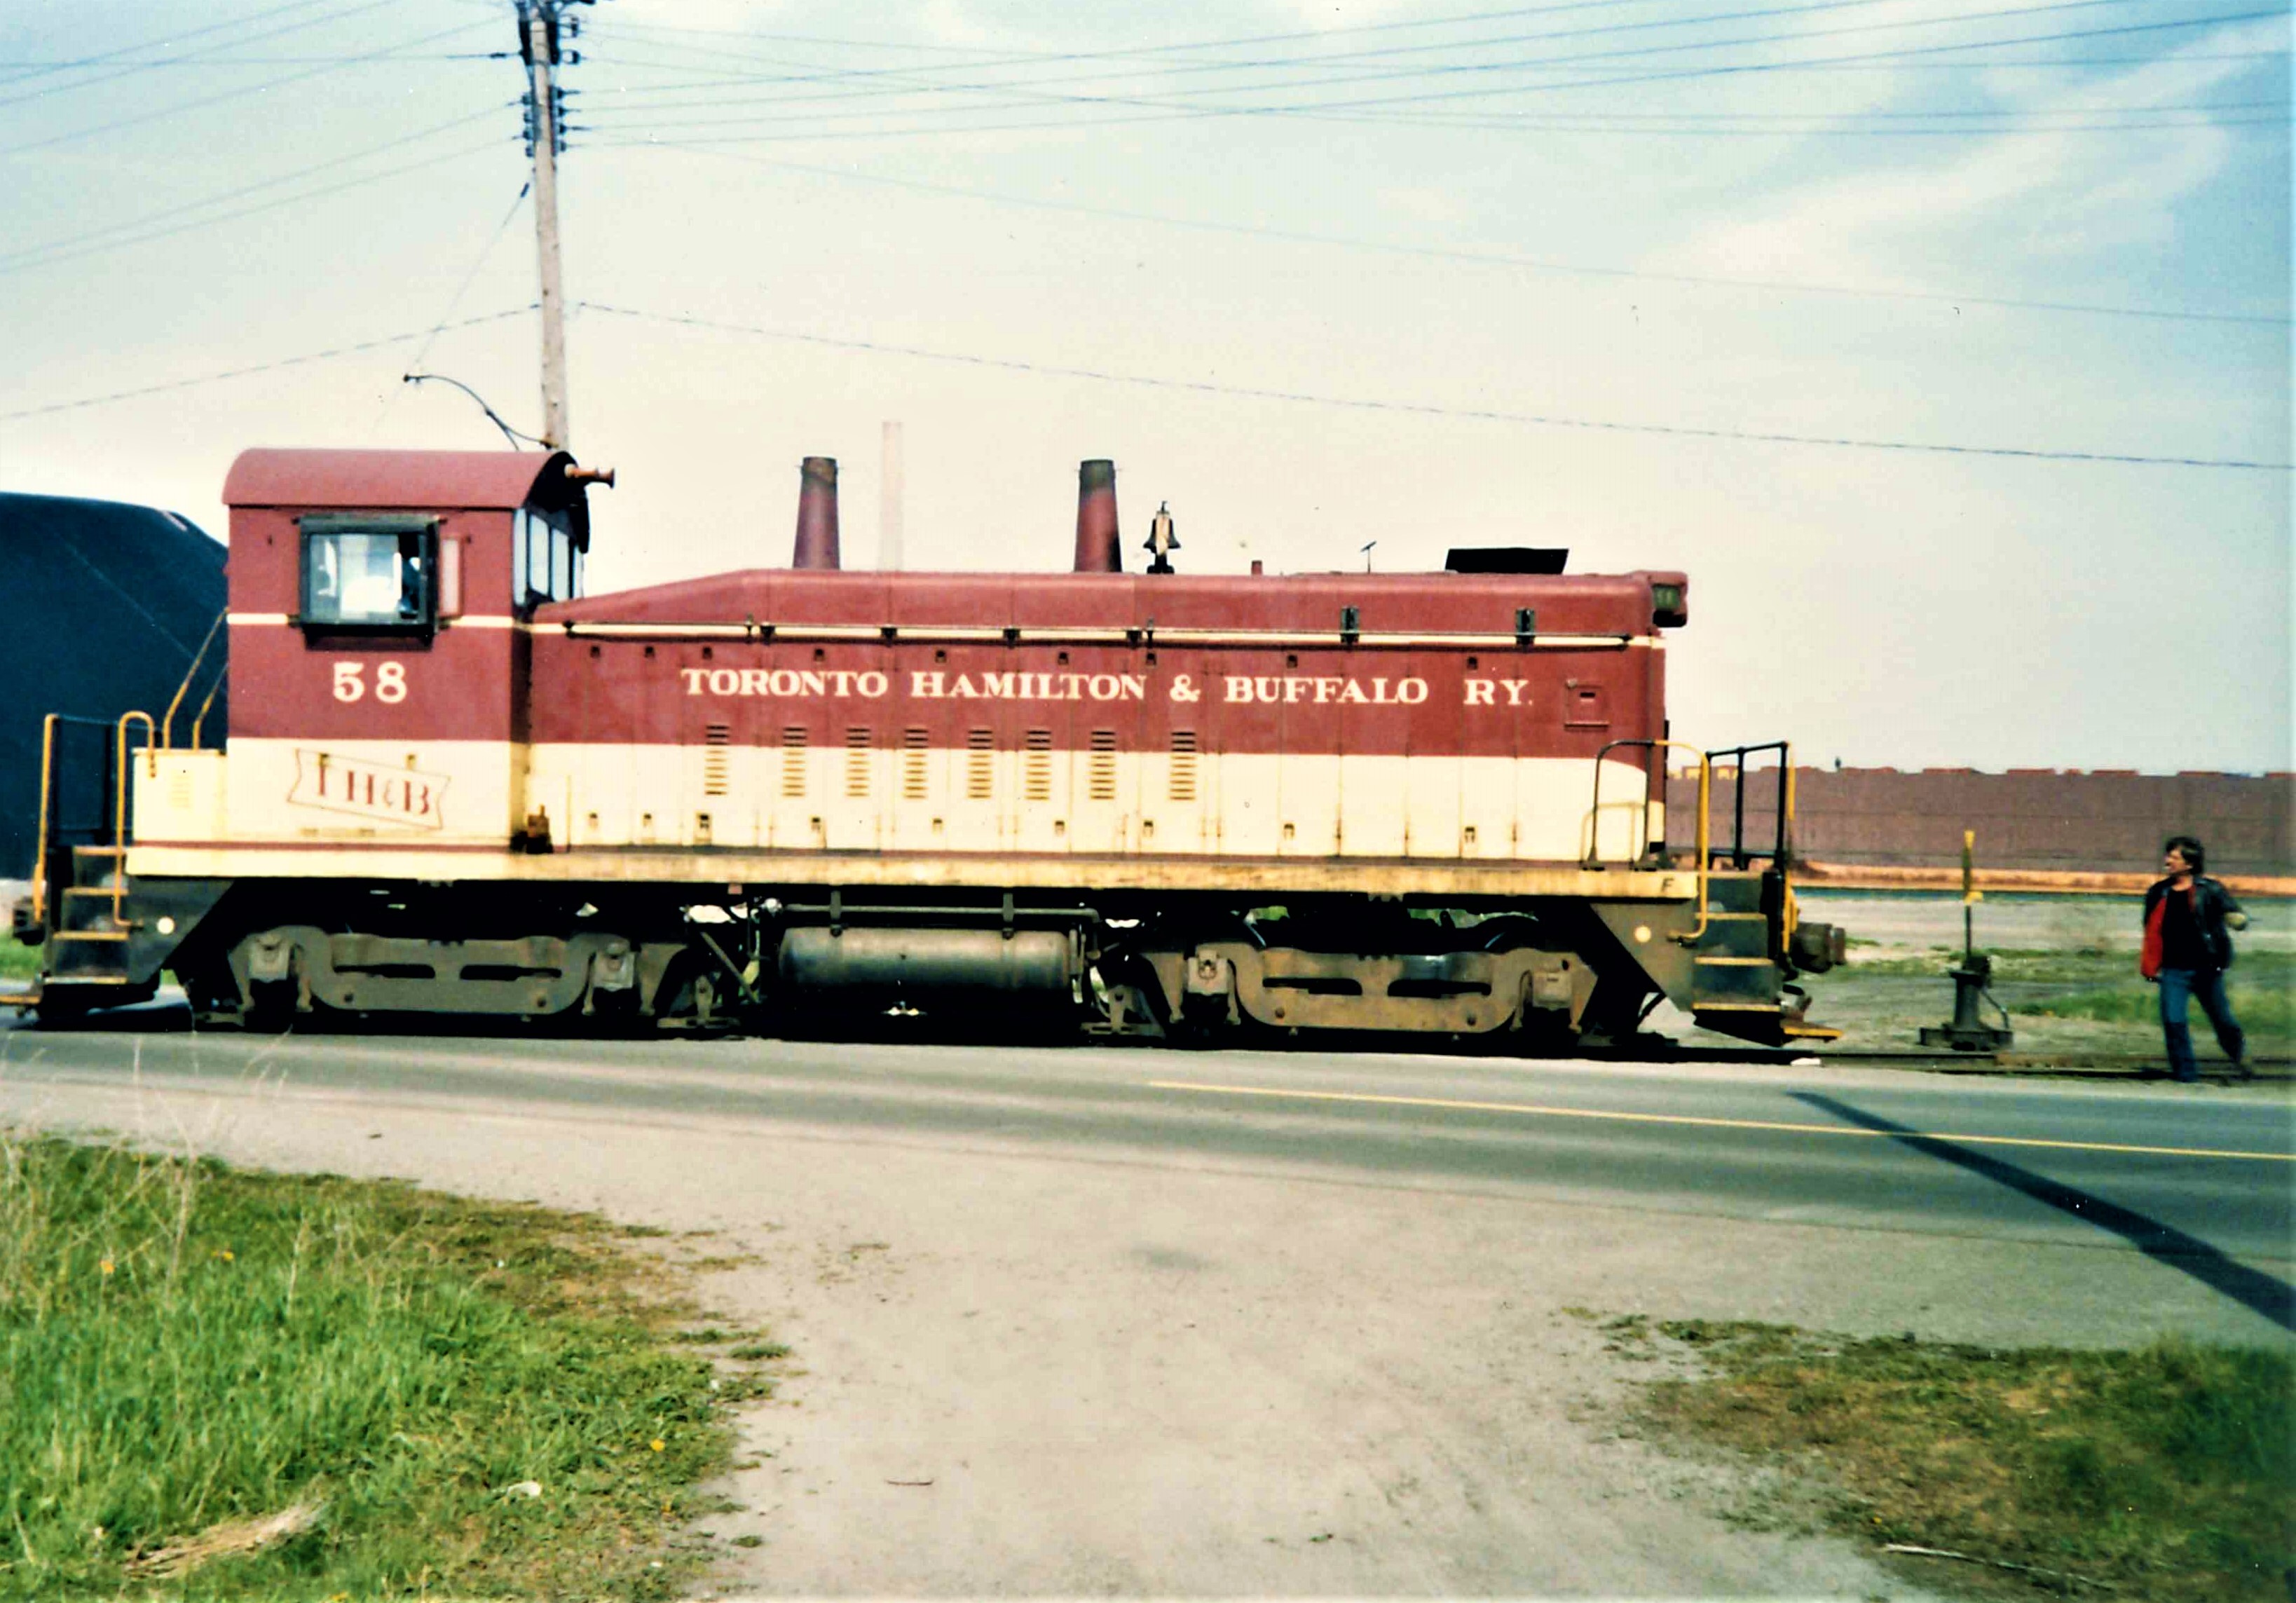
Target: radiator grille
x,y
1036,767
858,739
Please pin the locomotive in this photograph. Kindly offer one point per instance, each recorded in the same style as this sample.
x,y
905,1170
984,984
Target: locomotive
x,y
1192,806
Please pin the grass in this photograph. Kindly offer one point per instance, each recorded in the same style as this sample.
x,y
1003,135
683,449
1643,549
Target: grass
x,y
480,1399
2166,1473
2070,997
17,960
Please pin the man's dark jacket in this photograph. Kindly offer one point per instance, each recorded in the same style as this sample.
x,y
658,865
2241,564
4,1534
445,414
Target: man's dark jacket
x,y
2210,902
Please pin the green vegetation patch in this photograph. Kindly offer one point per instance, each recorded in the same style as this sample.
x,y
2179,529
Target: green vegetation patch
x,y
223,1384
2165,1473
17,960
2264,1011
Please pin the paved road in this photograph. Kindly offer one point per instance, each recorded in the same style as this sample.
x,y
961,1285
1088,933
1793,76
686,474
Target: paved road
x,y
1161,1322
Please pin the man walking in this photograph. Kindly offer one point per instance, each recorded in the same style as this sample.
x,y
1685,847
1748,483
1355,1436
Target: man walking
x,y
2187,948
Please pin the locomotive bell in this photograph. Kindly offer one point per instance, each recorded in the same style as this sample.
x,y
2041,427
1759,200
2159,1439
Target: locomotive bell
x,y
1161,542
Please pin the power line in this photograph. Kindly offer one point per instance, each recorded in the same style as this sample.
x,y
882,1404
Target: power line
x,y
102,56
1327,111
1033,91
1029,88
240,372
261,206
909,74
62,250
130,69
422,355
616,26
1478,258
240,93
1534,419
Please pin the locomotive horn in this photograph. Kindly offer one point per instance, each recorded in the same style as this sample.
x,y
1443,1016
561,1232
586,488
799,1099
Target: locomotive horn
x,y
817,514
1097,547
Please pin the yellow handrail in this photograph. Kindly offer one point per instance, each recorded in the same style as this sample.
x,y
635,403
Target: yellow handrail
x,y
168,738
47,784
1705,792
120,807
212,691
1790,913
1697,933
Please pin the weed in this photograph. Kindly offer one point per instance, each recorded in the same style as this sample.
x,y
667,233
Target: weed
x,y
477,1397
2168,1472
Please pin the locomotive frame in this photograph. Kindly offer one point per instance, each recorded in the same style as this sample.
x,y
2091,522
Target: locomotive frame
x,y
1172,806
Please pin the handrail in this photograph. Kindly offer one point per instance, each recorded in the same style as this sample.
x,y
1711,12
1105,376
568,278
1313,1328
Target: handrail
x,y
1739,855
213,691
47,782
120,807
1705,793
52,822
1788,911
167,725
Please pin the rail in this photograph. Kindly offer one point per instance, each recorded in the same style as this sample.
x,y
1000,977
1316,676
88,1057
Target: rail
x,y
167,724
1781,842
53,826
1741,857
1651,775
119,806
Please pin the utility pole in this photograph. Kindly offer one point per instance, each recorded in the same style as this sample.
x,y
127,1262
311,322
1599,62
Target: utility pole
x,y
538,30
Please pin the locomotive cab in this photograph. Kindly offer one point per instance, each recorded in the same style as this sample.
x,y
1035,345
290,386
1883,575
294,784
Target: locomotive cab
x,y
377,604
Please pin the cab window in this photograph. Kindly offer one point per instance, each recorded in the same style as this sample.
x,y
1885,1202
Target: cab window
x,y
545,563
370,573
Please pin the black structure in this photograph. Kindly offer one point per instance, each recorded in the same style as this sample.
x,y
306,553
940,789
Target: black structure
x,y
106,606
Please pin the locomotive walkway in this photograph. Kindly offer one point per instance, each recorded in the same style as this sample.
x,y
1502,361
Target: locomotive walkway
x,y
1163,1322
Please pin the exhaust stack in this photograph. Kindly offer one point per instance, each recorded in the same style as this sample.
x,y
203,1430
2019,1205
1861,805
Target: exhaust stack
x,y
817,514
1097,547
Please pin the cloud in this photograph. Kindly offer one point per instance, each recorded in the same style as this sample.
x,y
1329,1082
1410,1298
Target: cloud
x,y
2035,194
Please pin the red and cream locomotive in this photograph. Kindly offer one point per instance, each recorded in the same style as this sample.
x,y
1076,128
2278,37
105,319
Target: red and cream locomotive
x,y
1167,804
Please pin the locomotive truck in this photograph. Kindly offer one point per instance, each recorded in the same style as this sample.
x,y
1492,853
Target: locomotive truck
x,y
1194,806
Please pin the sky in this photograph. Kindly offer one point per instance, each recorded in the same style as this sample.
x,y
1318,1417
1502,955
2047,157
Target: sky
x,y
1944,343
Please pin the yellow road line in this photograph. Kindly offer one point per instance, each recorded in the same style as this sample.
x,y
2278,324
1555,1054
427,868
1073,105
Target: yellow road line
x,y
1805,1129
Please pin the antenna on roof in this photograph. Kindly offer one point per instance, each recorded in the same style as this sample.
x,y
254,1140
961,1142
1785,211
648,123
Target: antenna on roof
x,y
1367,556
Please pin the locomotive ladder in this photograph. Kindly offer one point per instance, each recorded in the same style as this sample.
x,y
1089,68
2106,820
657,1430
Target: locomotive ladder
x,y
1744,899
79,875
77,909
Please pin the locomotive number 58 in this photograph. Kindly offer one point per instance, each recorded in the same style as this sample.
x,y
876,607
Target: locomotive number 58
x,y
390,681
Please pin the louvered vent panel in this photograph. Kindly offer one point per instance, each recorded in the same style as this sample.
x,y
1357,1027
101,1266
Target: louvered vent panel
x,y
981,765
715,759
857,761
1036,767
1184,765
1100,777
793,744
913,765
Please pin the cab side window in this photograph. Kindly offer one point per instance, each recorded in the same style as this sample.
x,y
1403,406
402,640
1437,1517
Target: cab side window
x,y
370,573
545,563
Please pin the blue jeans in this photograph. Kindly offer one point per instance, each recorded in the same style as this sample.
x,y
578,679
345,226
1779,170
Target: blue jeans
x,y
2179,988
